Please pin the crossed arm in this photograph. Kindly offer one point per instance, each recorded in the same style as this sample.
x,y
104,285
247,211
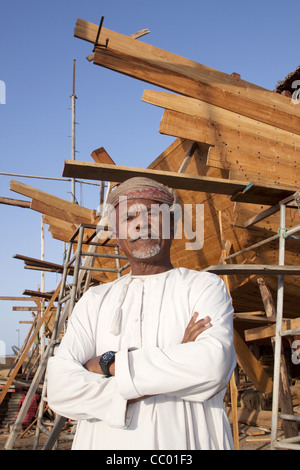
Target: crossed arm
x,y
193,329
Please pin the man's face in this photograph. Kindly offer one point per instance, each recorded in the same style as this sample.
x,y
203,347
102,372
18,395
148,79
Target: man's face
x,y
143,229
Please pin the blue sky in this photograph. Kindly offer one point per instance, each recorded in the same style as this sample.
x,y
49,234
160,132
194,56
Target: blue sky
x,y
258,39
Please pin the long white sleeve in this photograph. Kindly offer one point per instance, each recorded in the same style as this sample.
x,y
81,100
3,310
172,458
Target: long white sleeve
x,y
192,371
73,391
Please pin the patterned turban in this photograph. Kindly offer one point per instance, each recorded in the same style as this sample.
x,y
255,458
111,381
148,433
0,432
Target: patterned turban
x,y
140,187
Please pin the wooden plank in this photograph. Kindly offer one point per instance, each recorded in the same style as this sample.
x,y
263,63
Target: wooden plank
x,y
26,309
42,264
101,156
254,417
268,270
3,297
44,295
201,130
187,77
251,366
105,172
262,194
279,169
52,201
60,224
269,331
251,318
218,116
58,213
267,298
263,215
97,171
14,202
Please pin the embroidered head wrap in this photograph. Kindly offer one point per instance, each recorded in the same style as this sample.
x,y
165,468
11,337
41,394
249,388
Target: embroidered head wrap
x,y
141,187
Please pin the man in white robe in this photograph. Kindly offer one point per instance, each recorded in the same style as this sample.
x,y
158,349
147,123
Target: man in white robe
x,y
169,335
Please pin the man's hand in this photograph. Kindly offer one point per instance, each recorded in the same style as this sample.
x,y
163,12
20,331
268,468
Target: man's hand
x,y
92,365
194,328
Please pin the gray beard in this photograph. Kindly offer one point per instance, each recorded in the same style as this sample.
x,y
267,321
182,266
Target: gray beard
x,y
147,253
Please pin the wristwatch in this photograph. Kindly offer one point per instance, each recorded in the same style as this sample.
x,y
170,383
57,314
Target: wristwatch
x,y
105,361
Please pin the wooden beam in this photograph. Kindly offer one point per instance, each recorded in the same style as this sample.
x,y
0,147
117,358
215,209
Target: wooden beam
x,y
268,270
261,216
263,194
26,309
60,224
251,318
254,417
270,211
105,172
251,366
45,295
269,331
267,298
240,191
101,156
173,72
16,298
276,166
219,116
40,264
48,200
15,202
201,130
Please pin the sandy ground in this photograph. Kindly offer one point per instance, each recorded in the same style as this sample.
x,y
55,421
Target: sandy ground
x,y
26,442
249,439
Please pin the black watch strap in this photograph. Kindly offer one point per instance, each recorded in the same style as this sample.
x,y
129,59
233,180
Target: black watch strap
x,y
105,361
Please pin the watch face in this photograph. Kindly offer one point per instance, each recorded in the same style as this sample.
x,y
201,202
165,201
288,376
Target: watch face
x,y
105,361
106,357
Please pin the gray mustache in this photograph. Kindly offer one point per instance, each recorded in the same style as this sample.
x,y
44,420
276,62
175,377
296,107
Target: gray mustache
x,y
144,233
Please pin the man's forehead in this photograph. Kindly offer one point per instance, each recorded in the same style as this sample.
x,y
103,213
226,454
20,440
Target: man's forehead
x,y
139,205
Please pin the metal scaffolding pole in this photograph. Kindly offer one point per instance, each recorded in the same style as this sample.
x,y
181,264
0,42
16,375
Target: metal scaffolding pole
x,y
73,97
279,313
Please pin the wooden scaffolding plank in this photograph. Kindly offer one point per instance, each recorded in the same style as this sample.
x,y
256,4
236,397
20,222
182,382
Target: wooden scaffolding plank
x,y
41,264
262,194
259,193
26,299
106,172
173,72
